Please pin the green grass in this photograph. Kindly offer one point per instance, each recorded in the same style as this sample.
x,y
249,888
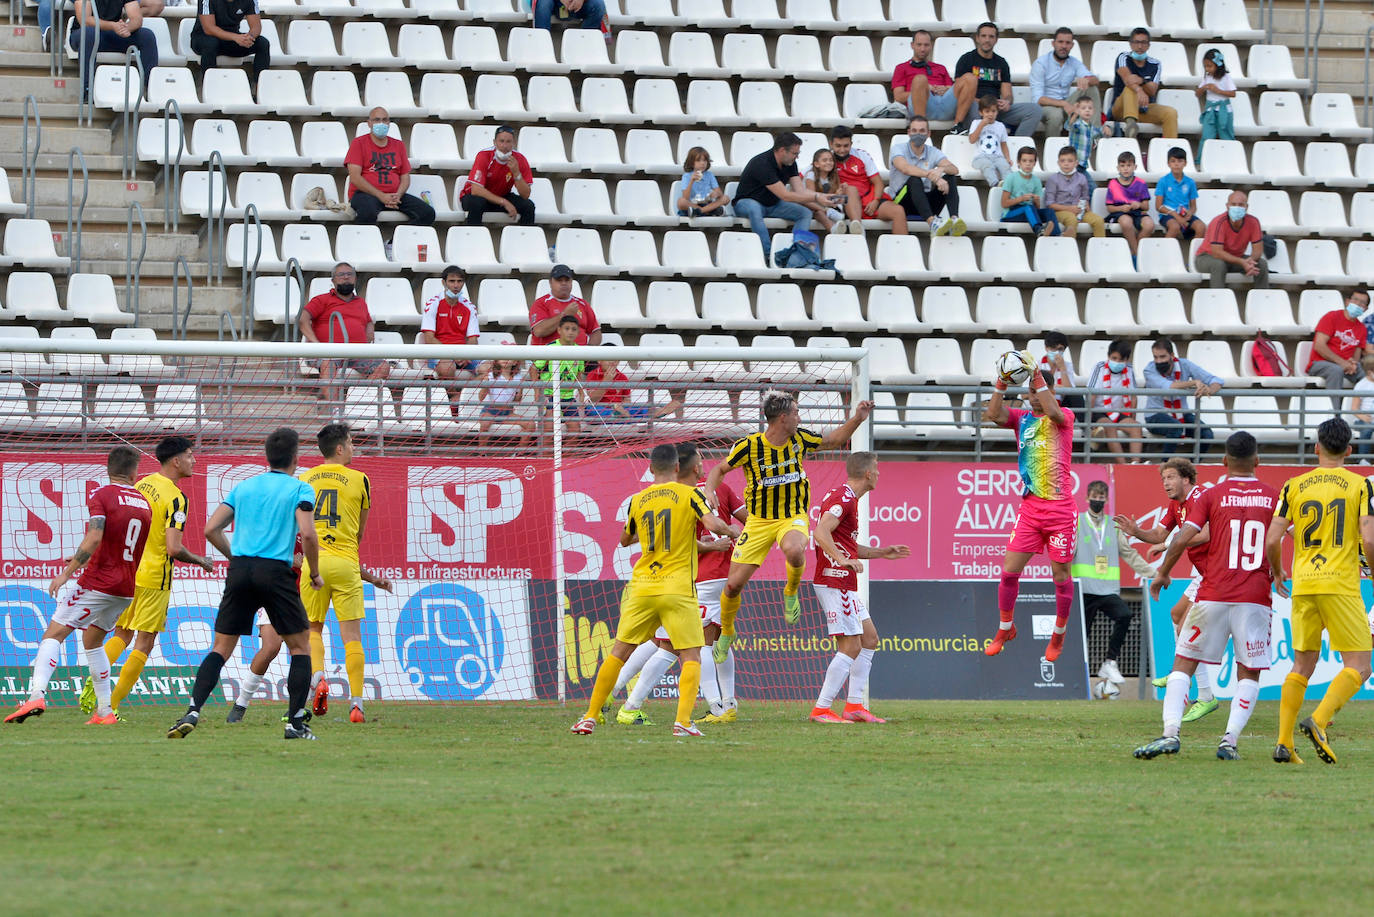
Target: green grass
x,y
951,808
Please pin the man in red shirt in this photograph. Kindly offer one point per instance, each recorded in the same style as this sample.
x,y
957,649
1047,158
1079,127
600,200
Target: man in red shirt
x,y
1233,244
317,324
559,301
118,522
922,85
1340,341
379,174
857,170
451,318
608,404
500,180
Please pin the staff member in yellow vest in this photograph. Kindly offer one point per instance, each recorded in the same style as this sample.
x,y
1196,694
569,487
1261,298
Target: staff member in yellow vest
x,y
1098,574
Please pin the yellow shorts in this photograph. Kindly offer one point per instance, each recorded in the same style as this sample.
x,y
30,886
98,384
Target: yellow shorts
x,y
642,615
148,611
1342,616
343,587
760,535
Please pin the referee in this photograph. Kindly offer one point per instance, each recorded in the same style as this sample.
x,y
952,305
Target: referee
x,y
271,508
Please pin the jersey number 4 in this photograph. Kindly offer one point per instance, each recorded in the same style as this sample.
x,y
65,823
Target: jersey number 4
x,y
1247,544
327,507
664,518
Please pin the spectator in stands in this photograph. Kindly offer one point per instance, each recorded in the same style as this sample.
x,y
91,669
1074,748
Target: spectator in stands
x,y
590,13
451,318
701,195
1058,80
1114,410
217,32
1176,199
149,8
770,186
1340,342
922,85
610,404
1097,569
569,373
550,309
353,325
121,27
1234,243
1084,132
989,138
858,171
924,182
1023,197
981,72
1361,409
1128,203
498,399
1138,78
500,180
825,178
1167,417
1215,91
1069,192
379,174
1058,363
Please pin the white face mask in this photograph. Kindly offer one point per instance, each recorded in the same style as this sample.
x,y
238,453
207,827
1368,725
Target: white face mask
x,y
1069,171
501,157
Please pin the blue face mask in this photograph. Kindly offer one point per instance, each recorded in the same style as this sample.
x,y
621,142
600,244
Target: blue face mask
x,y
1139,56
379,131
1353,310
1235,213
1115,366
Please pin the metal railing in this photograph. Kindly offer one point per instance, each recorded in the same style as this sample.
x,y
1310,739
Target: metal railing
x,y
129,118
1266,20
1311,44
293,274
214,223
226,324
133,271
181,270
248,274
171,172
74,237
1368,41
85,106
28,162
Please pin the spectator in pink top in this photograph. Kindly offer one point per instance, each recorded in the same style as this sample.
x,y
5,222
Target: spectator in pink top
x,y
1128,203
922,85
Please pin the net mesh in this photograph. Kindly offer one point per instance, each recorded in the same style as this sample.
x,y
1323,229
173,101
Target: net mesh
x,y
464,490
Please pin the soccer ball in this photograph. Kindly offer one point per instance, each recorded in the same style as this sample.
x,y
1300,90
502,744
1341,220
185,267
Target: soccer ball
x,y
1010,368
1105,690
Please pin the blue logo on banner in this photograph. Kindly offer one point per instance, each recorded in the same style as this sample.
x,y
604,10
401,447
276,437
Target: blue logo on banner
x,y
24,615
450,642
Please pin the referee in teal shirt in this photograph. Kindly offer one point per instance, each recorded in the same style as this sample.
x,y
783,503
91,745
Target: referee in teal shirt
x,y
270,509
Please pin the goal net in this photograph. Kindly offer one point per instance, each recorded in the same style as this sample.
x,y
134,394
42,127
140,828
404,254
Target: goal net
x,y
497,500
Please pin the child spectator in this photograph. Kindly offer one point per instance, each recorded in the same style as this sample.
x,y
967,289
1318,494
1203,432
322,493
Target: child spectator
x,y
701,195
1128,203
1068,193
1058,363
1084,131
1215,90
498,399
1022,197
1113,402
569,373
993,158
824,178
608,404
1176,199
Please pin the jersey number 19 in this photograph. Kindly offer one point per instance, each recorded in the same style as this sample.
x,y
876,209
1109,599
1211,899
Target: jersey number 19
x,y
1247,544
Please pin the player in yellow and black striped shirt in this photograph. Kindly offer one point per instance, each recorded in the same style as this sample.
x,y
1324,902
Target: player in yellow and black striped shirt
x,y
778,496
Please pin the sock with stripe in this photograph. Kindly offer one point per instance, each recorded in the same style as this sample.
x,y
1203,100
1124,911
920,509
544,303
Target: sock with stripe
x,y
858,677
114,648
794,578
835,676
1007,591
1290,703
635,664
251,682
1175,699
1341,689
353,664
316,650
1242,705
654,670
687,690
100,678
729,607
43,666
605,680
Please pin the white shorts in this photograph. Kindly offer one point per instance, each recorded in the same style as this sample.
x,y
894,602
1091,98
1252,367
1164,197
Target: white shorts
x,y
1191,592
708,600
1210,624
81,608
844,610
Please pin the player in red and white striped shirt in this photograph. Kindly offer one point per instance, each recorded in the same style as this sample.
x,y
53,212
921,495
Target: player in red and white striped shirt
x,y
116,530
838,565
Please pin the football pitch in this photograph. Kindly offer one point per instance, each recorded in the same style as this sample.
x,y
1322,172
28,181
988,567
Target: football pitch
x,y
950,808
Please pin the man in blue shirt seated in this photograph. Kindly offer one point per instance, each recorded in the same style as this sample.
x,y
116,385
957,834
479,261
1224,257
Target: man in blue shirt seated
x,y
271,509
1165,416
1058,80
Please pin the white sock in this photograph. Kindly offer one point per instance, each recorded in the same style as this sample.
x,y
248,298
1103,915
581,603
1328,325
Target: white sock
x,y
355,702
633,665
251,682
1059,629
710,687
835,676
858,677
1175,699
725,674
1204,682
315,680
1242,705
43,666
99,664
654,670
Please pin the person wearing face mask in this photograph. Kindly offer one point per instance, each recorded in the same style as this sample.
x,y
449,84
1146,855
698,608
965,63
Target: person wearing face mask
x,y
923,182
1233,244
1098,572
354,325
1340,341
1166,416
1138,78
451,318
500,180
1068,193
1057,366
379,174
1113,402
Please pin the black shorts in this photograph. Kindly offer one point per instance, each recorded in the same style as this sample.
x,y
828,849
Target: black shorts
x,y
260,582
1135,216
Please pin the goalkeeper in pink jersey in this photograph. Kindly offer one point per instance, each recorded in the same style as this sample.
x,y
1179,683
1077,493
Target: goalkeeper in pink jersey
x,y
1048,518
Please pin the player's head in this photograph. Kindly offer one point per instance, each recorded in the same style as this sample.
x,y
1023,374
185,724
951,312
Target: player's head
x,y
122,463
568,326
1333,438
862,469
780,408
282,447
175,456
1097,495
663,460
1178,477
336,442
1242,452
688,463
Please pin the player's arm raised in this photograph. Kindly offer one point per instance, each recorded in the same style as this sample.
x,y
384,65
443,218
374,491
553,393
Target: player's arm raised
x,y
825,540
995,411
1273,549
713,480
836,437
1042,395
220,520
95,530
1176,549
178,551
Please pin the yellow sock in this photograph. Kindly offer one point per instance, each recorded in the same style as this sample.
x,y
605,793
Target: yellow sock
x,y
128,677
353,662
114,648
1341,689
794,578
1290,702
729,607
316,650
687,685
605,681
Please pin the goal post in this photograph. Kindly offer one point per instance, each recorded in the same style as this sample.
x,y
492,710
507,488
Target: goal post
x,y
497,499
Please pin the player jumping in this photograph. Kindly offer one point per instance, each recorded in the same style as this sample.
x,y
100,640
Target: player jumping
x,y
661,592
1331,509
1233,601
116,531
838,565
1048,517
778,496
